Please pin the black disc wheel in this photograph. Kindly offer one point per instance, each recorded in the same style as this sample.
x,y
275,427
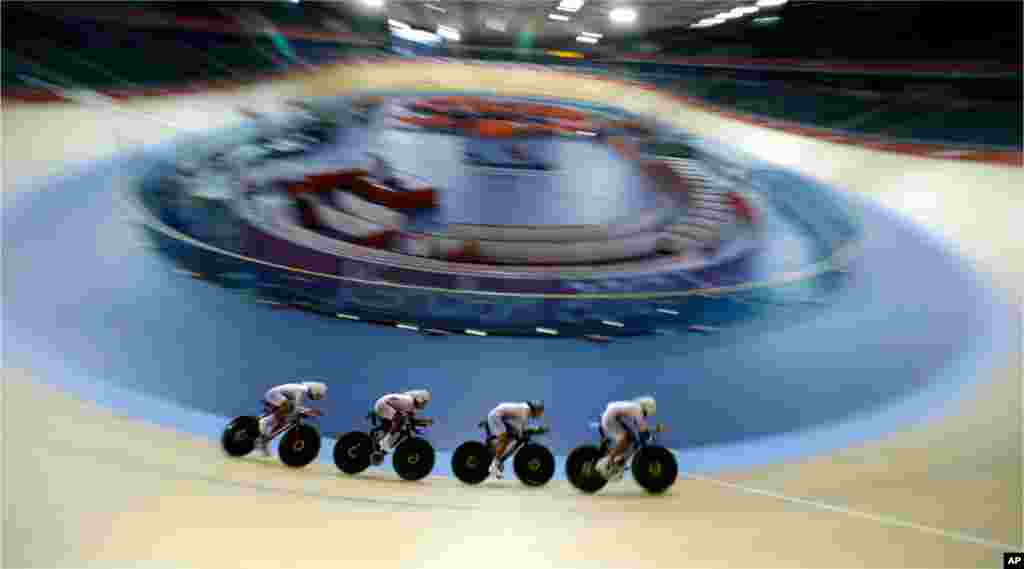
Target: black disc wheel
x,y
414,459
352,452
470,462
239,438
534,465
300,446
581,469
655,469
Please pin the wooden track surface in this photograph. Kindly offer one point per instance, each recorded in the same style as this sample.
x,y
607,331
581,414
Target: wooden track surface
x,y
85,488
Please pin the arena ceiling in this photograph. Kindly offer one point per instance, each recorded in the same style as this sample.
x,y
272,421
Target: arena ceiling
x,y
504,20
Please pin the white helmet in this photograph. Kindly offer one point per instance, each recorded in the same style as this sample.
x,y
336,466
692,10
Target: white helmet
x,y
420,397
648,404
317,390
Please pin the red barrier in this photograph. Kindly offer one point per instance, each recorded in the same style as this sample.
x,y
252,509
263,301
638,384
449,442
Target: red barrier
x,y
402,201
334,180
742,207
434,121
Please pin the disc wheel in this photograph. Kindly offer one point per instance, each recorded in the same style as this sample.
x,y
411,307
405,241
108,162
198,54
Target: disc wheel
x,y
300,446
534,465
655,469
239,438
352,452
470,462
581,469
414,459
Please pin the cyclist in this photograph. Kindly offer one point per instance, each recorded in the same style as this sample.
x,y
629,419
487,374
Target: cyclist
x,y
283,402
621,422
507,421
396,408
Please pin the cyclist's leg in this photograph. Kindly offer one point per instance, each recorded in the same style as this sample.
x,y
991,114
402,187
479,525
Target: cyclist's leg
x,y
391,423
500,430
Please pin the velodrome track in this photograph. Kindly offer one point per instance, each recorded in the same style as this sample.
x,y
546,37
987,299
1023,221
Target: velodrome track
x,y
110,491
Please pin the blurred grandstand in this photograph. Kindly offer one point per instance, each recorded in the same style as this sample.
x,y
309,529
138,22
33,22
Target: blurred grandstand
x,y
827,64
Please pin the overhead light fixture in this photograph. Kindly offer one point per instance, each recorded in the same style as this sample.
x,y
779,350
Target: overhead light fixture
x,y
770,3
436,8
558,17
495,24
570,5
449,33
417,36
767,20
395,24
623,15
748,10
374,3
586,39
593,35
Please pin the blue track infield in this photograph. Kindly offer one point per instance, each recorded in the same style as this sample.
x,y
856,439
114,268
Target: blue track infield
x,y
95,312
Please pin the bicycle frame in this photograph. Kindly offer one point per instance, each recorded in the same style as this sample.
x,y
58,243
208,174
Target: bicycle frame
x,y
289,423
410,428
638,444
518,442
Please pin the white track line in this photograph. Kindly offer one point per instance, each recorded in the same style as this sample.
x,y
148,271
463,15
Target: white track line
x,y
884,520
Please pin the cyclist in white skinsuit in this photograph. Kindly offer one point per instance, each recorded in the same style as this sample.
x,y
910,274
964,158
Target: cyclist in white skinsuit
x,y
283,402
395,409
506,421
621,419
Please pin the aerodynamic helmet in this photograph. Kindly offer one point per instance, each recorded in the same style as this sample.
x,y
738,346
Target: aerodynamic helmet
x,y
317,390
420,397
648,404
536,407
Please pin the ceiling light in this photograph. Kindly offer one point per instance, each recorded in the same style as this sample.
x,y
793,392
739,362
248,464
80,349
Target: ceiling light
x,y
623,15
436,8
586,39
770,3
374,3
593,35
418,36
496,24
748,10
570,5
399,25
558,17
450,34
